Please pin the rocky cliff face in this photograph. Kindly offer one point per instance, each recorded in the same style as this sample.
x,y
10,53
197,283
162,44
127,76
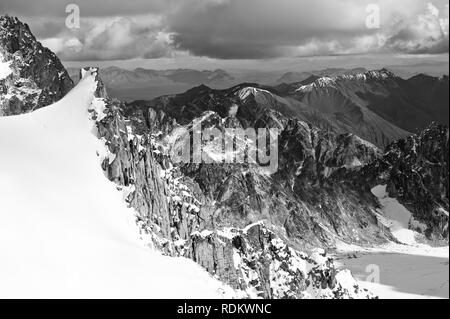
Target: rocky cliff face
x,y
178,216
334,108
296,198
375,105
262,232
415,171
36,77
320,194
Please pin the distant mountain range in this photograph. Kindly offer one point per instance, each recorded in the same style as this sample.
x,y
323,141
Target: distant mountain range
x,y
390,105
145,84
376,105
290,77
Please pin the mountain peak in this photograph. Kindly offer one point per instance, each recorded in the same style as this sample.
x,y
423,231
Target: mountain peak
x,y
382,73
7,20
35,76
100,91
15,35
331,81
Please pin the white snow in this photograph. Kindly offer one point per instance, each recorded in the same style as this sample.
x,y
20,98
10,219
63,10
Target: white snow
x,y
5,69
403,274
98,106
395,216
246,92
233,110
443,211
321,82
366,143
353,164
65,231
406,270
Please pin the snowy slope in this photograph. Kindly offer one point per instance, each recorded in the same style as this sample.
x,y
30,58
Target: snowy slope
x,y
395,216
4,69
407,270
64,228
402,275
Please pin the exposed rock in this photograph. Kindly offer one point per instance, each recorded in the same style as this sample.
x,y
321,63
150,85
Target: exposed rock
x,y
37,76
179,217
259,231
416,171
256,260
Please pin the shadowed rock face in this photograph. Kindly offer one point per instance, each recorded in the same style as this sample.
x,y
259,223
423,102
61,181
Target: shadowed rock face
x,y
203,212
378,106
38,78
416,172
320,193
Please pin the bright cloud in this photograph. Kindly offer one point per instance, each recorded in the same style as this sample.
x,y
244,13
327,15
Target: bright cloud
x,y
238,29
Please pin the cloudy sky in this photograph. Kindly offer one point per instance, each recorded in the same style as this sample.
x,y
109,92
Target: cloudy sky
x,y
239,33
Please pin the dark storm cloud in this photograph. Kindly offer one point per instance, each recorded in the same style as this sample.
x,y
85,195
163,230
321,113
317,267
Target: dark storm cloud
x,y
89,8
264,28
261,28
408,42
234,29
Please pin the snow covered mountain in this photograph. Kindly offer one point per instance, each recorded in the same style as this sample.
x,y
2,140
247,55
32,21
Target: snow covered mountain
x,y
73,235
291,77
416,172
321,194
378,105
31,76
94,204
193,211
315,100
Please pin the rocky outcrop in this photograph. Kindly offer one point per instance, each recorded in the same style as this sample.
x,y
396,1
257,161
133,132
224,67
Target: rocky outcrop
x,y
262,232
300,199
37,77
259,233
319,168
416,172
257,261
178,217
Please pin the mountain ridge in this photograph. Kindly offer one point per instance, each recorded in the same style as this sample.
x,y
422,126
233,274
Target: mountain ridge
x,y
266,234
